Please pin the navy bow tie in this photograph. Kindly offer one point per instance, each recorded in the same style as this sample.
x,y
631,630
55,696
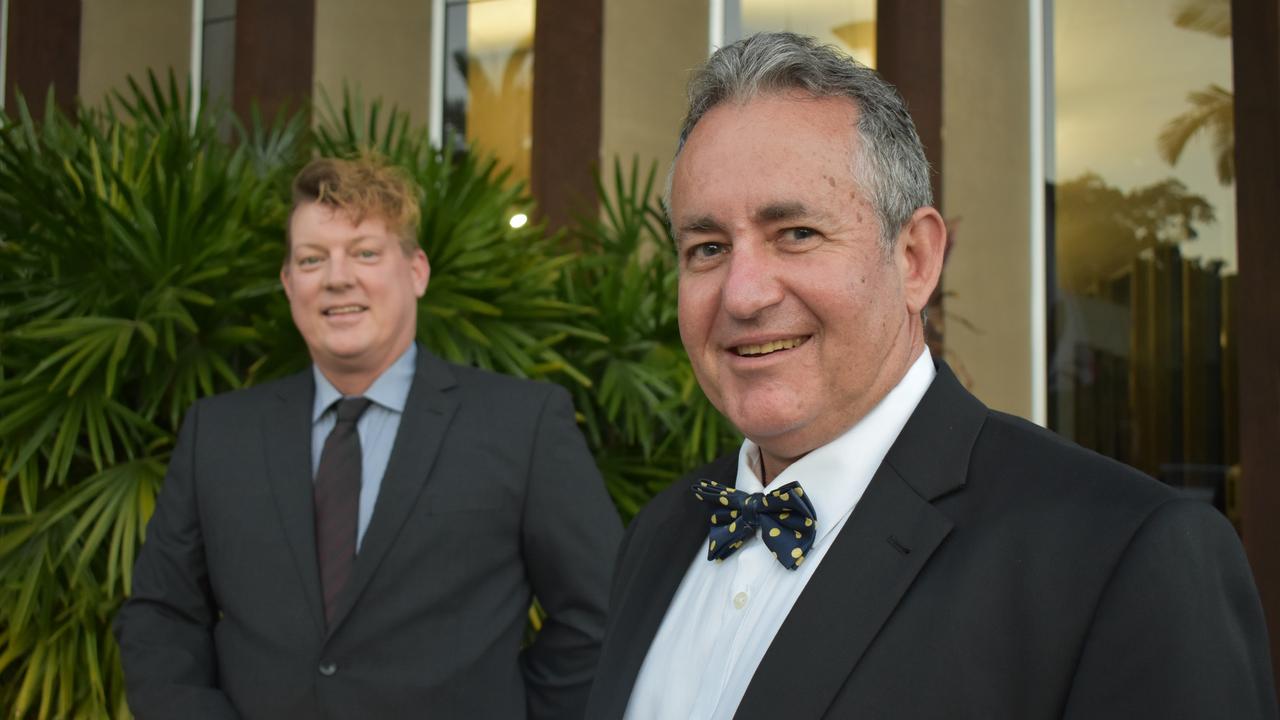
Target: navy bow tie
x,y
784,516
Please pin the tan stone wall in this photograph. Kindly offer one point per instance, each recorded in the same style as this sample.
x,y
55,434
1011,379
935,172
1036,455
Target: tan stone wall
x,y
987,194
119,38
649,49
382,47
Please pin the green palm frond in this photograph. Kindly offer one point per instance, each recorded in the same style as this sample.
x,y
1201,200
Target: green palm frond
x,y
644,414
128,234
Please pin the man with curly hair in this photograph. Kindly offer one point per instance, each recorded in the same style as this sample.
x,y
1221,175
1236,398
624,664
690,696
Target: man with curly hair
x,y
363,539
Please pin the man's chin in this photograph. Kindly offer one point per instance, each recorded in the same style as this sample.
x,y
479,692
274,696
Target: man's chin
x,y
344,359
776,436
769,414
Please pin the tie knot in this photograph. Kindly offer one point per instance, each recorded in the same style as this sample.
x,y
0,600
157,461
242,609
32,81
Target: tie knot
x,y
351,408
751,509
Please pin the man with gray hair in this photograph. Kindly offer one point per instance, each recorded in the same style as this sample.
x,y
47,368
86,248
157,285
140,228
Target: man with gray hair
x,y
883,545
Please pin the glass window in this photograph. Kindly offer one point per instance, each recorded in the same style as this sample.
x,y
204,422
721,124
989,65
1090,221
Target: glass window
x,y
4,49
848,24
488,85
1142,236
217,59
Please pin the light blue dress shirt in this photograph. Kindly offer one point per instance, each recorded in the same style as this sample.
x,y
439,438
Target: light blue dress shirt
x,y
377,427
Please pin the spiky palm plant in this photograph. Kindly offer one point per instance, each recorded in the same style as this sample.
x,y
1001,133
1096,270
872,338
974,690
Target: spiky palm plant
x,y
644,414
136,255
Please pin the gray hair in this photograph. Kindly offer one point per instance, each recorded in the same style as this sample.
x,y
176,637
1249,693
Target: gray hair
x,y
891,166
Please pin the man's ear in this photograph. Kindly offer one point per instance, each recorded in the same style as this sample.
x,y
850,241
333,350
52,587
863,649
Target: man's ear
x,y
918,253
421,269
285,281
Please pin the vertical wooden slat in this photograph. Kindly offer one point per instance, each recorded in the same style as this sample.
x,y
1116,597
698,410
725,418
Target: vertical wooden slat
x,y
43,50
909,55
275,56
567,69
1255,50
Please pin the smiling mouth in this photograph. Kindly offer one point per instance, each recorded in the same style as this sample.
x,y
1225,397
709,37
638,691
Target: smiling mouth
x,y
344,310
770,347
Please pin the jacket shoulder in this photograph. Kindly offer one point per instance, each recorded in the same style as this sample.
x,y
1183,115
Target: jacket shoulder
x,y
253,398
498,385
1027,462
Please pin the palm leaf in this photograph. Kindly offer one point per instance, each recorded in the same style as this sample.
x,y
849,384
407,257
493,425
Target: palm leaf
x,y
1206,16
1212,110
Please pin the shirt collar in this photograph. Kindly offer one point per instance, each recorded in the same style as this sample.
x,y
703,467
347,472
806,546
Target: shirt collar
x,y
390,390
835,475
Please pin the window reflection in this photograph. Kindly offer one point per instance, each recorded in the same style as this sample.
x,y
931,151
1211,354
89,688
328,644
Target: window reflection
x,y
489,78
1143,236
847,24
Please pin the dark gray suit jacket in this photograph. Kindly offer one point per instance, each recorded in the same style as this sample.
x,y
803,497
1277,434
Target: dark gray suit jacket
x,y
490,496
991,570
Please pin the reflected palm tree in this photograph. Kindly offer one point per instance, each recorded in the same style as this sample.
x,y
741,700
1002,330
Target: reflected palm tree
x,y
1213,108
498,115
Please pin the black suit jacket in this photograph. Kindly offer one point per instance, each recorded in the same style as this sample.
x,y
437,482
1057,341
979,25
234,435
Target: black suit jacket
x,y
490,496
991,570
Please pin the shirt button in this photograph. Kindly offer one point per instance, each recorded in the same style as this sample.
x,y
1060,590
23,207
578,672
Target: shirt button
x,y
740,600
328,669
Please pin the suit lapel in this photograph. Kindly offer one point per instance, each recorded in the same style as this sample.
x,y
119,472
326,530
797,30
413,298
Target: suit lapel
x,y
648,592
881,549
848,599
288,425
427,413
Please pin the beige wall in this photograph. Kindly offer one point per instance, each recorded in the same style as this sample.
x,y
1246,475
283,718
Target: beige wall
x,y
127,37
381,47
649,49
986,189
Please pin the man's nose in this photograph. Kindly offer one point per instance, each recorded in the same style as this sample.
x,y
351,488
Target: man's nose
x,y
751,282
339,272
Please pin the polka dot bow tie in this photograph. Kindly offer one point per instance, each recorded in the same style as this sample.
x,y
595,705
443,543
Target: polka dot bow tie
x,y
784,516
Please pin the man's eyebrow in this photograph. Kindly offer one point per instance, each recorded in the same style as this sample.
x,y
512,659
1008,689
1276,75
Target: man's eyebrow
x,y
701,224
781,211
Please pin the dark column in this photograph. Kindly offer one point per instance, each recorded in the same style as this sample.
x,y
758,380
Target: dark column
x,y
909,55
275,56
567,58
43,49
1255,50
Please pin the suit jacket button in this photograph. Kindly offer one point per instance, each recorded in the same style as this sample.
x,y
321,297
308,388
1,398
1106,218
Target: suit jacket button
x,y
328,668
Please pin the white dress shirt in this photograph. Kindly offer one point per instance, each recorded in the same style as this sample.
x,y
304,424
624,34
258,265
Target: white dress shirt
x,y
724,615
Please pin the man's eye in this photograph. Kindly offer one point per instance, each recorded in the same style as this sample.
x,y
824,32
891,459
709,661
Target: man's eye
x,y
367,254
702,251
308,260
799,234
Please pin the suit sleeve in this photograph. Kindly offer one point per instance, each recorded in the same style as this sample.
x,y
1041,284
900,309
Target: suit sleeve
x,y
570,536
165,628
1178,631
